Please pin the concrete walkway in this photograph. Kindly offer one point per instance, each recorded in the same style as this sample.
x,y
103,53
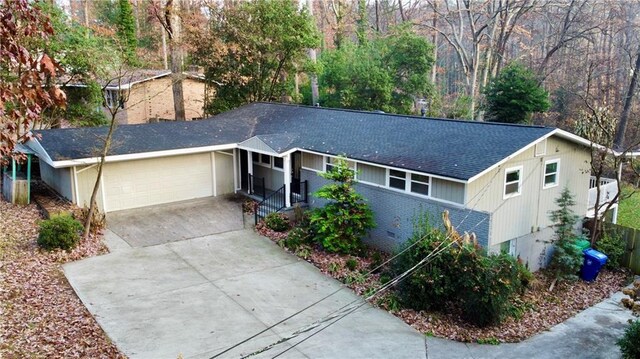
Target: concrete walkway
x,y
197,297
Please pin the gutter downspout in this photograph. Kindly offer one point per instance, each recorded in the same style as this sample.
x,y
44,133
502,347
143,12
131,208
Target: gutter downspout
x,y
75,186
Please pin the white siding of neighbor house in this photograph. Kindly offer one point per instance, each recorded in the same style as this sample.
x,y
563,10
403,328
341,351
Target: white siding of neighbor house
x,y
529,212
60,179
223,162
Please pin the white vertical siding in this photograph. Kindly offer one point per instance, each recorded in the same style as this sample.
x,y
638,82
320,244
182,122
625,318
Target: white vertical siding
x,y
372,174
447,190
224,173
529,212
86,181
312,161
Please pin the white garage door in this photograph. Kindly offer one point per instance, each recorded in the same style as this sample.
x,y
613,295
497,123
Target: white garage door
x,y
140,183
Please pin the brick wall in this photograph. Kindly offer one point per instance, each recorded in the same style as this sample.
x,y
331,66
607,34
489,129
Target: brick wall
x,y
394,212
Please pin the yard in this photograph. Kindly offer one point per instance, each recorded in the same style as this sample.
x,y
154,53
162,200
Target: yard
x,y
41,314
629,211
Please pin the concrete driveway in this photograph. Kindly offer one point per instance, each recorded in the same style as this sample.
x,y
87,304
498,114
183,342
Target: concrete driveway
x,y
148,226
197,297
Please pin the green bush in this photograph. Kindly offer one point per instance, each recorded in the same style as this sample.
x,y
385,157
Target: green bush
x,y
489,288
277,222
431,286
567,257
59,232
346,218
613,245
351,264
630,343
461,276
296,237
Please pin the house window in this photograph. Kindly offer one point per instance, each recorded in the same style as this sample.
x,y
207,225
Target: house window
x,y
398,179
551,173
420,184
278,162
265,159
111,98
512,182
328,165
261,159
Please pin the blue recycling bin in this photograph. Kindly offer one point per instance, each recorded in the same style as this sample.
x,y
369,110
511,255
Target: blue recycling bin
x,y
593,262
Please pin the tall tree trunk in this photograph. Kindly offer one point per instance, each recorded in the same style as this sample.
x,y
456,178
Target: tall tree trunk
x,y
136,12
85,12
401,9
618,142
315,93
165,55
434,23
176,59
377,17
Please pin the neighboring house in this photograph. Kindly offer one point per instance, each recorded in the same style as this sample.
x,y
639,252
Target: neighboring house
x,y
497,180
150,96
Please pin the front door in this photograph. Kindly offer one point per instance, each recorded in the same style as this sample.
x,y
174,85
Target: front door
x,y
296,164
244,170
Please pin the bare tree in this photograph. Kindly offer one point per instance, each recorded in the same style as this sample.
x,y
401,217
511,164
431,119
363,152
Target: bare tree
x,y
170,20
618,142
464,29
114,109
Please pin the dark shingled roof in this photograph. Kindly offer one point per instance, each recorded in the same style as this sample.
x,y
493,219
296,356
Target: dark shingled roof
x,y
450,148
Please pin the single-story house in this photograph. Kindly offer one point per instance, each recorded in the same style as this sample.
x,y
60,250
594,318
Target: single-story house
x,y
150,96
497,180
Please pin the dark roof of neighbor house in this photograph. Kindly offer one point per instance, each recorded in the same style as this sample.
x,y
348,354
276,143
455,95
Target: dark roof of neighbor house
x,y
128,78
450,148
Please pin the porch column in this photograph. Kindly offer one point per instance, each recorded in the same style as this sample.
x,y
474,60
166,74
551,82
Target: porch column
x,y
28,179
614,215
287,179
249,172
236,170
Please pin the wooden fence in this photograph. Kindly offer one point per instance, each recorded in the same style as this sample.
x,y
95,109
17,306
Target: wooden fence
x,y
631,257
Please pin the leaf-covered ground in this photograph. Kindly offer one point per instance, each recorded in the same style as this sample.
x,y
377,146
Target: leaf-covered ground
x,y
539,308
543,310
40,314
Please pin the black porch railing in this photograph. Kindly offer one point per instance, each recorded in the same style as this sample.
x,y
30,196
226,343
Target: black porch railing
x,y
299,191
256,186
272,203
276,200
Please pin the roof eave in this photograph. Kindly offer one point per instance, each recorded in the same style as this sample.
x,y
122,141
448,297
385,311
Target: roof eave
x,y
139,156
